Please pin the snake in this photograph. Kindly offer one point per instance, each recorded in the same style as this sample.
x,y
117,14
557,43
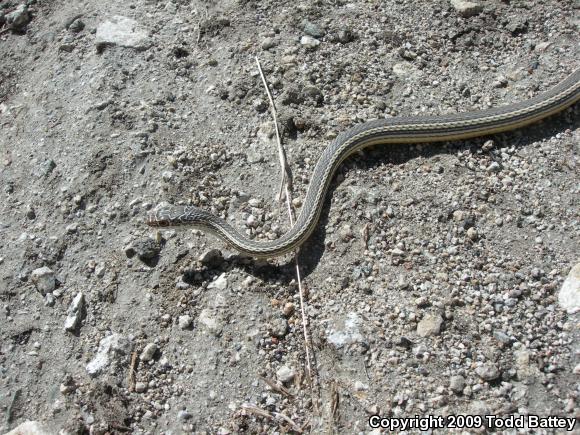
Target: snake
x,y
395,130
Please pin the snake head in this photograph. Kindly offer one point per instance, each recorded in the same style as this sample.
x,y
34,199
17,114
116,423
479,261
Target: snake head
x,y
160,217
167,215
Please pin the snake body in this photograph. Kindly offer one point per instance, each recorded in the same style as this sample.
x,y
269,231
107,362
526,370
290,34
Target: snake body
x,y
383,131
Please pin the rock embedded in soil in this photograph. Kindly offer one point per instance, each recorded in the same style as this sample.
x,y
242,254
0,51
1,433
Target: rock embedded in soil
x,y
569,296
76,311
488,372
430,325
457,384
313,29
466,9
285,374
44,280
184,322
220,283
112,348
123,32
148,352
210,320
211,258
18,18
146,249
309,42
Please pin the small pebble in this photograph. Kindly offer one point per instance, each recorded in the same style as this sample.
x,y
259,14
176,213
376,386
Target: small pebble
x,y
185,322
309,42
430,325
44,280
457,384
285,374
140,387
269,43
466,8
148,352
488,372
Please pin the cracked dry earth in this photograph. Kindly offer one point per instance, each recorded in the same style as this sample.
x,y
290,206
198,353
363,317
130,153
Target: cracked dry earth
x,y
440,281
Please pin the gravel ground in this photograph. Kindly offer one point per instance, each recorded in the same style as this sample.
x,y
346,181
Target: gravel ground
x,y
432,281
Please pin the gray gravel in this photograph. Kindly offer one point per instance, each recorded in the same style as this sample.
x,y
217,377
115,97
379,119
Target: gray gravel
x,y
442,280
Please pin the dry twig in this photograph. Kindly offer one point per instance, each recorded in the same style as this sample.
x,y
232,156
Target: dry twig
x,y
285,181
251,409
277,388
366,235
132,372
286,184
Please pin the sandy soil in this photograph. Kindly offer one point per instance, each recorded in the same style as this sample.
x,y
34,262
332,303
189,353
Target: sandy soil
x,y
432,280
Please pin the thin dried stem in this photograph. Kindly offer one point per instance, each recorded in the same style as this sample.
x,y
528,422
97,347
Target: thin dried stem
x,y
251,409
132,372
286,185
277,388
285,182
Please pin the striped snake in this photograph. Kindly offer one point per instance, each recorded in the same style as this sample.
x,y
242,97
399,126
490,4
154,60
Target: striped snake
x,y
379,132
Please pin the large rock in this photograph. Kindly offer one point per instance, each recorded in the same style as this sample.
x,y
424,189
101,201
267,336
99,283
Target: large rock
x,y
18,18
346,332
569,296
75,314
488,372
430,325
112,348
30,428
466,8
44,280
211,321
124,32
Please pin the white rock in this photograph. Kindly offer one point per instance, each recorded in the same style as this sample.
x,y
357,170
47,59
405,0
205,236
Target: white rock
x,y
184,322
100,270
167,175
220,283
430,325
569,296
472,233
44,280
457,384
30,428
524,367
122,31
111,348
488,372
349,333
405,69
210,321
309,42
285,374
466,8
140,387
398,252
75,313
164,362
148,352
184,415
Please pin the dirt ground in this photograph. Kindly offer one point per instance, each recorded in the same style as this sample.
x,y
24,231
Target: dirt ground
x,y
431,281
